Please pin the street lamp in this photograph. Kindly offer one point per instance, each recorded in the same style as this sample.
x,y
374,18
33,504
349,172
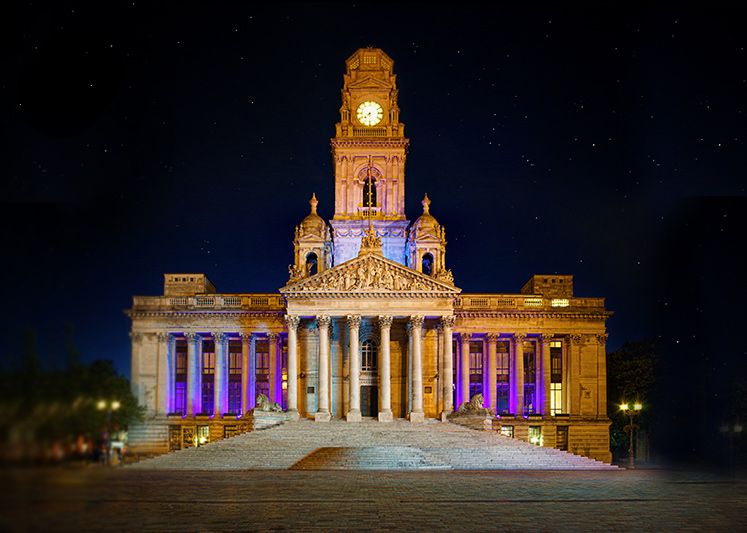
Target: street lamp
x,y
631,412
102,405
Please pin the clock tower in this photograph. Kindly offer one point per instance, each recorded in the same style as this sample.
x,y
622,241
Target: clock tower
x,y
368,152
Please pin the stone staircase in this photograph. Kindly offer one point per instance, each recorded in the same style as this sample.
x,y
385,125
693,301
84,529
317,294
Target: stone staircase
x,y
151,438
371,445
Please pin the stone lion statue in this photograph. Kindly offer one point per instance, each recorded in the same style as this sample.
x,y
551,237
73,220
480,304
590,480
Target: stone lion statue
x,y
474,407
264,404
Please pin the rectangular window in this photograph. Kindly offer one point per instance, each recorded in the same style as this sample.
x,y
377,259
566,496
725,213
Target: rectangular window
x,y
556,378
502,378
284,371
453,372
262,354
208,377
530,375
535,435
475,368
234,376
180,377
561,438
507,431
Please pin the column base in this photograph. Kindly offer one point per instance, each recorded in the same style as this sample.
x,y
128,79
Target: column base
x,y
417,417
293,414
444,416
322,417
385,416
354,415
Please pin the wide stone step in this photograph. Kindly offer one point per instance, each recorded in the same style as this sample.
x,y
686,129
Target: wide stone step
x,y
370,445
368,458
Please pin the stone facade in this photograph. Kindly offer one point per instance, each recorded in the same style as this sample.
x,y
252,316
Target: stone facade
x,y
370,323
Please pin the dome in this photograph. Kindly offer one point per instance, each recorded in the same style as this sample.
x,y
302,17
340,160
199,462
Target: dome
x,y
426,225
313,224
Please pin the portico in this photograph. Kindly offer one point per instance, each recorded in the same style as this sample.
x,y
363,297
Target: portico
x,y
379,293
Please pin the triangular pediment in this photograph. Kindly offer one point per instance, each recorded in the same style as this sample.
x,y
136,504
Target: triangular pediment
x,y
370,275
370,82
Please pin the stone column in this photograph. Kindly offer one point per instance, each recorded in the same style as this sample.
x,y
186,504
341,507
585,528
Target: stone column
x,y
415,327
272,346
135,385
163,375
464,369
220,384
292,322
385,370
194,373
354,413
492,369
447,323
252,392
245,341
543,377
573,358
322,413
517,375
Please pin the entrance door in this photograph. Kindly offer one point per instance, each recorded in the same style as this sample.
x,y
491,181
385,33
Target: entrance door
x,y
369,400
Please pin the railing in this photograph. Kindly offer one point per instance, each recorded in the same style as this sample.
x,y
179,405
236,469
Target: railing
x,y
379,131
479,302
365,211
212,301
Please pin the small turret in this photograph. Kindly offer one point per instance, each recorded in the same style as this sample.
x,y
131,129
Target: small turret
x,y
426,245
312,245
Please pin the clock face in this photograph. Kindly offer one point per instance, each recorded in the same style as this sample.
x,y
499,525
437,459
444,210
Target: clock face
x,y
370,113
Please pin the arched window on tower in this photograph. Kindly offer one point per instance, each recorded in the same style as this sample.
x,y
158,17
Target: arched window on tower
x,y
369,356
370,182
312,266
428,264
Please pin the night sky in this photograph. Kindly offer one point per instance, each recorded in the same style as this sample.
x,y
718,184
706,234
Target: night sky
x,y
604,143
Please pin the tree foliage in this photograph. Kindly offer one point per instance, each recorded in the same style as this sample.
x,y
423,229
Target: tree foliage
x,y
630,378
40,406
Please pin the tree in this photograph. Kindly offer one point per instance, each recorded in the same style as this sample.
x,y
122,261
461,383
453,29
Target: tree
x,y
630,378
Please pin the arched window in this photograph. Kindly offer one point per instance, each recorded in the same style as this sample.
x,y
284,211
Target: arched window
x,y
428,264
370,181
369,356
311,264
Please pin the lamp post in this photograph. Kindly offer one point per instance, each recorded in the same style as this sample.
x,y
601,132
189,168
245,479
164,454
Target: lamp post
x,y
103,405
631,412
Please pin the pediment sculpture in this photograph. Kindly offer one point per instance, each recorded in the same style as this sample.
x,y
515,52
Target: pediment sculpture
x,y
371,274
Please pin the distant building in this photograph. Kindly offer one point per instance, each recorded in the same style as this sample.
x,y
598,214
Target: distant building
x,y
371,323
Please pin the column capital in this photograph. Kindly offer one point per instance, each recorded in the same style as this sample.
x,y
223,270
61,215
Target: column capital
x,y
575,338
385,321
602,338
323,321
272,336
136,337
162,337
416,321
219,337
354,321
448,321
246,338
465,336
520,337
192,337
547,337
292,321
492,337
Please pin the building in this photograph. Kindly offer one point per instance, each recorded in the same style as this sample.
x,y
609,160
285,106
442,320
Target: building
x,y
371,323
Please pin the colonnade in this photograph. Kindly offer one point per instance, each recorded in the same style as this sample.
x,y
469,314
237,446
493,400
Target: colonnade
x,y
353,322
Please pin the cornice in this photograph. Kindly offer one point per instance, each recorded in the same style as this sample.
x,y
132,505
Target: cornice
x,y
178,313
598,315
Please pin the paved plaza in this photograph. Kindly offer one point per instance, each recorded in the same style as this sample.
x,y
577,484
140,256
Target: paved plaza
x,y
127,499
